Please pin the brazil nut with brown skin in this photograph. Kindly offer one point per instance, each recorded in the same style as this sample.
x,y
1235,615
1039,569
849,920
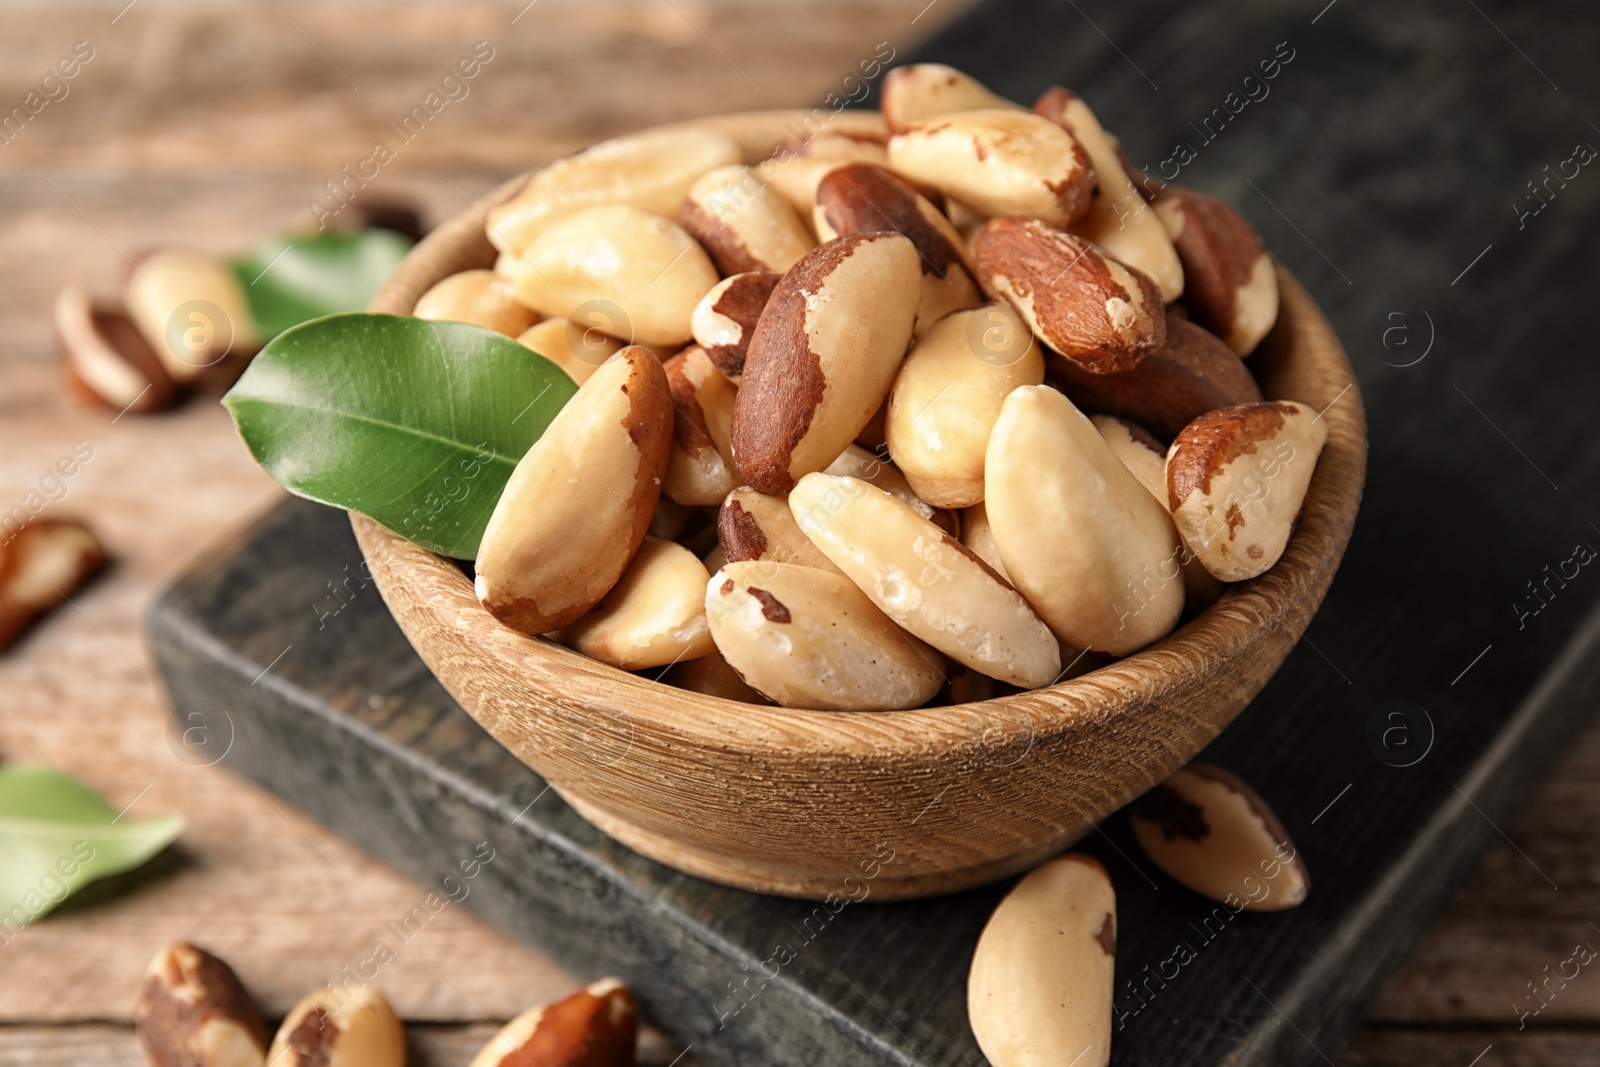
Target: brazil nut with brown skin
x,y
595,1027
753,525
743,225
580,500
726,317
1191,374
1232,283
823,355
332,1027
193,1011
862,198
1101,314
106,359
698,474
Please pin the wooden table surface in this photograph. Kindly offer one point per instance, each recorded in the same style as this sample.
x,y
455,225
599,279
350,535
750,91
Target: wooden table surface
x,y
214,124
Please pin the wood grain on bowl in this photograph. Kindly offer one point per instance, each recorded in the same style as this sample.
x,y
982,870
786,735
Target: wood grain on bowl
x,y
794,802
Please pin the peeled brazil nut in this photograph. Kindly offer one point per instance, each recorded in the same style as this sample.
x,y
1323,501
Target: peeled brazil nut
x,y
862,198
823,355
755,526
698,474
1236,479
1119,221
192,311
106,359
948,394
595,1027
929,583
653,616
1232,286
1093,310
1189,375
842,147
41,565
653,171
976,535
1143,455
335,1027
726,317
999,162
1040,988
710,674
579,502
481,297
1212,832
578,351
1088,546
642,264
193,1011
742,224
921,91
808,638
872,468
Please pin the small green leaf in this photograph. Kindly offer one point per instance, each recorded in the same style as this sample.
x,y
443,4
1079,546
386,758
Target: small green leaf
x,y
56,835
415,424
301,277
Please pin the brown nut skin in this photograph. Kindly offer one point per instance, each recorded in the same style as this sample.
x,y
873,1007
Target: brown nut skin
x,y
105,358
823,355
743,225
580,501
863,198
1232,287
481,297
41,564
726,317
339,1027
193,1011
1213,833
1236,478
1191,374
595,1027
1091,309
753,525
698,474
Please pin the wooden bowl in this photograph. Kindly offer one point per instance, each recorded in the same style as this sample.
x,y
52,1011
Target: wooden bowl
x,y
903,803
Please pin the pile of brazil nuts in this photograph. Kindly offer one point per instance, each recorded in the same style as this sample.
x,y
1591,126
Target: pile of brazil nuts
x,y
883,421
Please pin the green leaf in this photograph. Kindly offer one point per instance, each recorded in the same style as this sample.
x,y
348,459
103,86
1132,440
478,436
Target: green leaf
x,y
415,424
300,277
56,835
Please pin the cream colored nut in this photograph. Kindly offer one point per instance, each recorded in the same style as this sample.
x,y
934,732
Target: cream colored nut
x,y
863,198
929,583
841,147
578,351
808,638
726,317
1189,375
653,616
872,468
927,90
1233,286
1000,163
742,224
1091,309
481,297
1236,479
642,265
796,177
823,355
192,311
106,359
336,1027
1212,832
652,171
1040,989
193,1011
41,565
580,500
712,676
1093,552
1143,455
1119,221
698,473
976,535
595,1027
948,394
755,526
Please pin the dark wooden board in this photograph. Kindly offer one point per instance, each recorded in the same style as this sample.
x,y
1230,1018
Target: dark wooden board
x,y
1384,167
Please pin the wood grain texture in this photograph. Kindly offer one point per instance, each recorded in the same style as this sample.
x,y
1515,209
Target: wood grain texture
x,y
734,792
